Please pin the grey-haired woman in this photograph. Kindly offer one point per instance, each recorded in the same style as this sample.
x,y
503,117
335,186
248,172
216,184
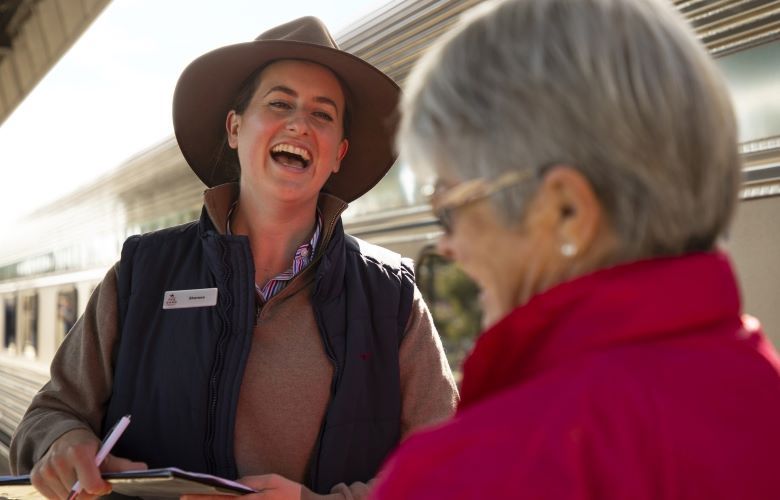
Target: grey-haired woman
x,y
587,160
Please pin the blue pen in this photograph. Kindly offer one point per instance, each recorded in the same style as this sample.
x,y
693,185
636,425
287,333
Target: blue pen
x,y
105,448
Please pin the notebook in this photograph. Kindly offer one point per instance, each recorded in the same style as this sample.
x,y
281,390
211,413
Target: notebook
x,y
168,482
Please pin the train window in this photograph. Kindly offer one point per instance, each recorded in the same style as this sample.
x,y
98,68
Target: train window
x,y
9,324
66,312
452,299
400,188
753,83
28,325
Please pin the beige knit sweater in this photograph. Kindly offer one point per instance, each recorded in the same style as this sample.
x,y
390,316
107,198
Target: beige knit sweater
x,y
286,383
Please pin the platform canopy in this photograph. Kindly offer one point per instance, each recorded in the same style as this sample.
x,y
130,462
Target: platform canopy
x,y
34,35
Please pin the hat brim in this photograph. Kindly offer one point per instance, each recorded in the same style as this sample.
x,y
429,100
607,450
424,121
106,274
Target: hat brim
x,y
208,86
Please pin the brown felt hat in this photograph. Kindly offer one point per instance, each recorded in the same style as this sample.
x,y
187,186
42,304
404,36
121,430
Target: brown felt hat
x,y
209,85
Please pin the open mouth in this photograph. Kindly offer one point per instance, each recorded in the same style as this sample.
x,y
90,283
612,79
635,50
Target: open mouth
x,y
291,156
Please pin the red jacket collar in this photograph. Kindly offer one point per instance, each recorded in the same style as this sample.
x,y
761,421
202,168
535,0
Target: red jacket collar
x,y
641,301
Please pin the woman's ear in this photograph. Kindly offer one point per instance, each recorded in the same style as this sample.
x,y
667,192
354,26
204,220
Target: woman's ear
x,y
578,213
341,153
232,124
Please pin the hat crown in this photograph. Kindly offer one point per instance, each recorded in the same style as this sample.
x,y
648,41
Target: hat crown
x,y
307,29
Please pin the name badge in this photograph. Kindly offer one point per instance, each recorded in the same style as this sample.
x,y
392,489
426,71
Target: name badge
x,y
183,299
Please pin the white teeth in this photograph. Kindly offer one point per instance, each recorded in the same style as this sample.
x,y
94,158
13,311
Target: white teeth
x,y
289,148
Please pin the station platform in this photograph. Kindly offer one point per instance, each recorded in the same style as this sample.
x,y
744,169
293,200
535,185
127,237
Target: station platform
x,y
20,379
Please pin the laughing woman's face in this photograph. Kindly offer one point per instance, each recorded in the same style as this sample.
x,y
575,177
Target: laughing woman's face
x,y
290,137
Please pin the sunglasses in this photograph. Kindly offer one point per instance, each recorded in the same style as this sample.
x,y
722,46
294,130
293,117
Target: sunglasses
x,y
446,200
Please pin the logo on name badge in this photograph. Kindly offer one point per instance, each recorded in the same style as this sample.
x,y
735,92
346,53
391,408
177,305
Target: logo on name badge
x,y
183,299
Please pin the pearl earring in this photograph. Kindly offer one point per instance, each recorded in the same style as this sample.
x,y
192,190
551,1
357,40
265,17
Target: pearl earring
x,y
568,249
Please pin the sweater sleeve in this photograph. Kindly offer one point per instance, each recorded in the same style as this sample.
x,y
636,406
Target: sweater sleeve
x,y
428,390
80,384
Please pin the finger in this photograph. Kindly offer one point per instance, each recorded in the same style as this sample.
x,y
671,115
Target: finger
x,y
118,464
88,474
263,482
104,489
69,460
359,490
355,490
46,481
61,470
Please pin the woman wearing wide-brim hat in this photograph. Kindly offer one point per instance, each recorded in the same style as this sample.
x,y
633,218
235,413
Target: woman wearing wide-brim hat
x,y
260,340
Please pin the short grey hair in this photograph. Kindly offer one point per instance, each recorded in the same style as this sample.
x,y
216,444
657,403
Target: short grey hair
x,y
619,89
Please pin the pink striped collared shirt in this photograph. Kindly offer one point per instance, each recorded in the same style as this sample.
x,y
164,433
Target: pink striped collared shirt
x,y
303,257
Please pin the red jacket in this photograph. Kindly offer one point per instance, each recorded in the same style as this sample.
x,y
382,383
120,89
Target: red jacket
x,y
636,382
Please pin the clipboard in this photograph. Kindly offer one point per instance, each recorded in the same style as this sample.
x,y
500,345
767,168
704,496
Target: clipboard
x,y
169,482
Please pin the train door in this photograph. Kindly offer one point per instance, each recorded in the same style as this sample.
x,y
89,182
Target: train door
x,y
27,325
9,324
753,244
67,312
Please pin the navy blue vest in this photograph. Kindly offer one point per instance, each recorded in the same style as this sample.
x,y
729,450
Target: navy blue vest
x,y
178,371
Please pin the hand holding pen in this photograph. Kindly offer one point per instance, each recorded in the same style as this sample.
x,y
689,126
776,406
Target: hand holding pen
x,y
105,447
73,456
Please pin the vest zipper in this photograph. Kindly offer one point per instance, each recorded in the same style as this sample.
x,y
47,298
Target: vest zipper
x,y
211,417
216,370
315,463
